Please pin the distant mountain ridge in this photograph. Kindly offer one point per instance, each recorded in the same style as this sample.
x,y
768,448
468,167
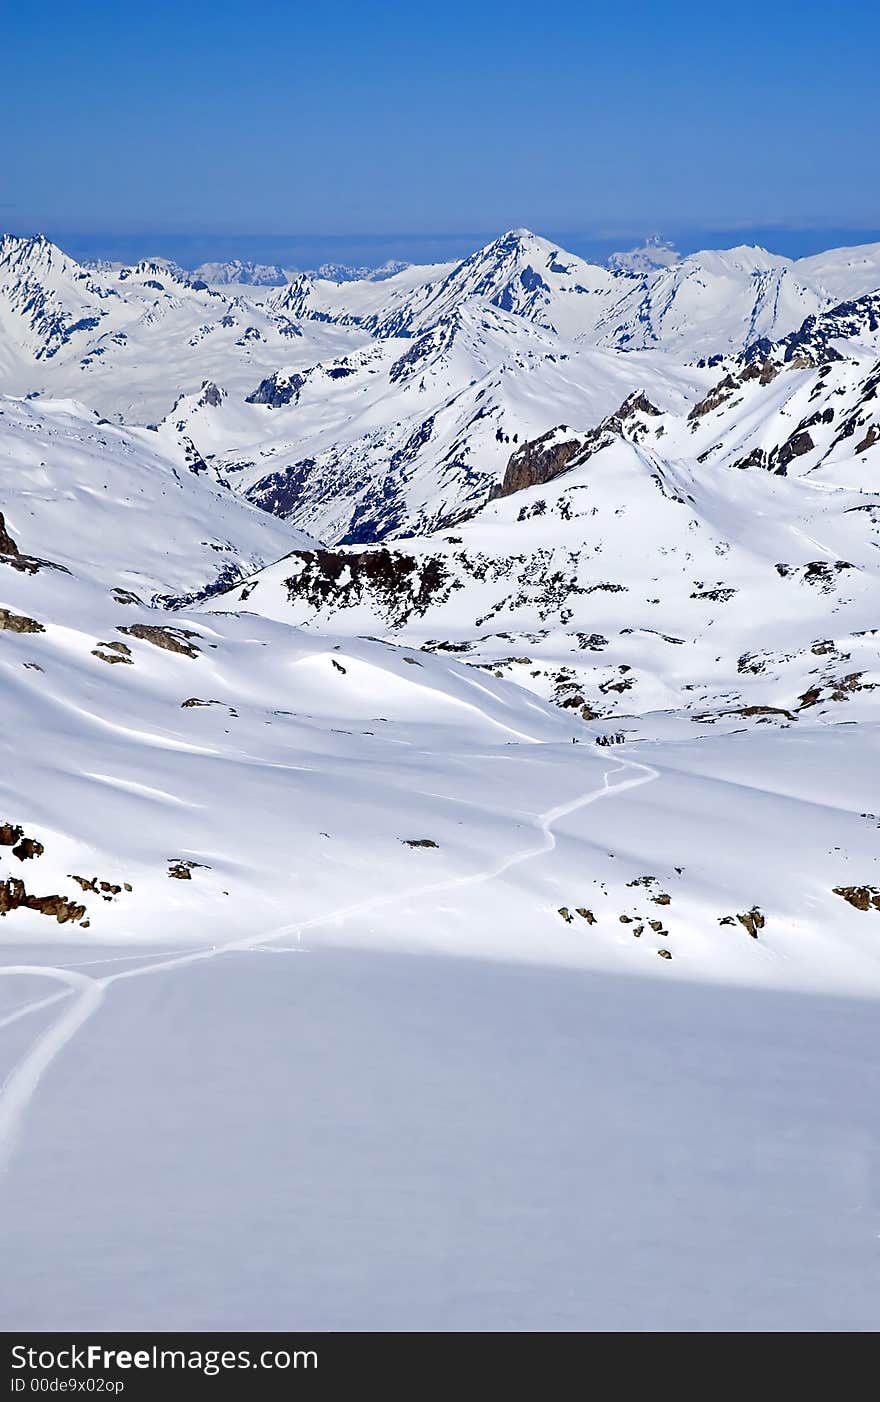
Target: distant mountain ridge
x,y
537,501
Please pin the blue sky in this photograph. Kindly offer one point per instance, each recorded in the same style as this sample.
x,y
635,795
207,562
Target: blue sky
x,y
407,130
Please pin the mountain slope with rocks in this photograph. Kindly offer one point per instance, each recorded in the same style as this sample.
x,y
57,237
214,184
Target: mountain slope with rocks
x,y
414,696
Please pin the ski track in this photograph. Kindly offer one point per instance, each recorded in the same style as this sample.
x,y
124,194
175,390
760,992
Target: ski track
x,y
19,1088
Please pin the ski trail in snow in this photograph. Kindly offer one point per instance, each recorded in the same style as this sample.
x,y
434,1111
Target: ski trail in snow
x,y
20,1086
33,1008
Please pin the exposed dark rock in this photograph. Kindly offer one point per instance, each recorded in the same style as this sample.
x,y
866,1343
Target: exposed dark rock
x,y
113,652
7,544
105,889
280,492
752,921
537,461
861,897
18,623
28,848
822,574
723,391
756,458
181,868
796,446
811,345
211,395
401,584
171,639
277,390
13,896
419,842
542,459
719,596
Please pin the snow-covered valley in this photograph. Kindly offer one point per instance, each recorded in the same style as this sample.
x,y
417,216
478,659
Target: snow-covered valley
x,y
439,817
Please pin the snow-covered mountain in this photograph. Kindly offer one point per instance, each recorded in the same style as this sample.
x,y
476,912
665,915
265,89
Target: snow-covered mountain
x,y
106,502
655,252
519,273
128,341
516,613
734,545
551,540
406,433
243,273
711,301
348,272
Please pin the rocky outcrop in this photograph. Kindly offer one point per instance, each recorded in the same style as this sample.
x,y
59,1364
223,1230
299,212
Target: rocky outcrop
x,y
796,446
860,897
7,544
277,390
181,868
10,554
13,896
401,585
813,342
211,396
541,459
752,921
171,639
759,368
113,652
18,623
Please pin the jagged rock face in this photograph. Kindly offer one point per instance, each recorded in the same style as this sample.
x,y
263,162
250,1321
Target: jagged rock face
x,y
18,623
169,639
212,396
280,492
7,544
14,895
812,344
796,446
277,390
539,461
396,584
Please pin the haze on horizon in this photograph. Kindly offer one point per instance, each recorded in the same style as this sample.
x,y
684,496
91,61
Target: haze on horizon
x,y
380,132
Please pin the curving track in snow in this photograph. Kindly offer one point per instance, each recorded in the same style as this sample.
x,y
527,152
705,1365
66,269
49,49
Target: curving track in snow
x,y
21,1085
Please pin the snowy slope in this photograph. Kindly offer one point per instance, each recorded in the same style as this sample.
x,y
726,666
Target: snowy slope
x,y
129,340
431,909
711,301
431,1144
607,589
106,502
676,554
405,434
372,407
698,564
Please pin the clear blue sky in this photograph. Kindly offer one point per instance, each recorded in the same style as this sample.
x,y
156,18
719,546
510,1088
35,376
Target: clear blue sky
x,y
386,124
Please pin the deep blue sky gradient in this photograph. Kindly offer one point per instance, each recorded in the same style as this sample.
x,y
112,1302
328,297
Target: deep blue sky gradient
x,y
368,130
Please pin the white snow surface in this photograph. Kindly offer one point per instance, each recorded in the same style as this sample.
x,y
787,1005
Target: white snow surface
x,y
470,905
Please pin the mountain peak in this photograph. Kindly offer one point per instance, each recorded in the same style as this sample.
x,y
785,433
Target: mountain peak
x,y
653,253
